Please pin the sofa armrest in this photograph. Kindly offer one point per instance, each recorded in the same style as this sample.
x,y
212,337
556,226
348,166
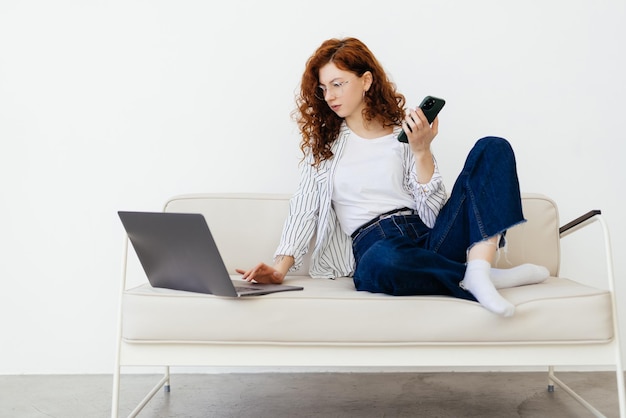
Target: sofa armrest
x,y
578,223
587,219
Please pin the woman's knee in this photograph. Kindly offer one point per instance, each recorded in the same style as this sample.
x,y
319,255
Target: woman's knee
x,y
492,148
494,144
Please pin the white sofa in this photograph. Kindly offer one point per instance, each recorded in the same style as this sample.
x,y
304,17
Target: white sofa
x,y
560,322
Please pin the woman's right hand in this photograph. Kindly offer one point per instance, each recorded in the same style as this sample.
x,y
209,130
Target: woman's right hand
x,y
262,273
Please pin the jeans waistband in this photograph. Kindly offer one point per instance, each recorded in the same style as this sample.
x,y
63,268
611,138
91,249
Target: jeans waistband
x,y
380,217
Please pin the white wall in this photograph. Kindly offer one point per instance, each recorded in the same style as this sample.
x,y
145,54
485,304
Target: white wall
x,y
108,105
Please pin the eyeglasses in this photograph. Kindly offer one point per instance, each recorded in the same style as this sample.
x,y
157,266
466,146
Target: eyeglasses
x,y
335,89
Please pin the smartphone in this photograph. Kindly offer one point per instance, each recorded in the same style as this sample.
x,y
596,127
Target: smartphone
x,y
431,106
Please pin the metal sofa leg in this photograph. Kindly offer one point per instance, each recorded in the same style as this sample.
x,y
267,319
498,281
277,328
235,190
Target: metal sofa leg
x,y
115,400
553,379
550,381
164,382
166,387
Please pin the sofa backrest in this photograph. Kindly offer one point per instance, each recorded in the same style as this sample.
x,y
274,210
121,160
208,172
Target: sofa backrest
x,y
247,228
537,240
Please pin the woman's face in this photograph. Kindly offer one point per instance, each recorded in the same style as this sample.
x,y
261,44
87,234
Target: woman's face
x,y
342,90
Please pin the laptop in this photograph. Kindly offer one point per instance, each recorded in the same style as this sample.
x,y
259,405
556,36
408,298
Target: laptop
x,y
177,251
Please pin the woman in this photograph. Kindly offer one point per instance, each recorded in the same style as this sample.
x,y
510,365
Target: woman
x,y
378,207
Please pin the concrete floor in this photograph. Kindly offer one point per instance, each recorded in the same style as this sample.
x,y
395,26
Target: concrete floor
x,y
276,395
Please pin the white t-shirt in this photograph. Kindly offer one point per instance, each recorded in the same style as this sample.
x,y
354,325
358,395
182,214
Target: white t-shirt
x,y
369,181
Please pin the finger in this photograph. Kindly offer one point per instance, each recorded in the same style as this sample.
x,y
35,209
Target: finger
x,y
244,273
435,125
421,116
412,121
406,126
255,271
408,123
417,120
240,271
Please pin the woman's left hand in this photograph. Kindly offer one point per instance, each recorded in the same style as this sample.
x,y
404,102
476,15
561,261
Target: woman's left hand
x,y
419,132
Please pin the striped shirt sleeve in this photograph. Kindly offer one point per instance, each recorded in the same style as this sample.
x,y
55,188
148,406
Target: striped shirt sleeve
x,y
429,197
301,221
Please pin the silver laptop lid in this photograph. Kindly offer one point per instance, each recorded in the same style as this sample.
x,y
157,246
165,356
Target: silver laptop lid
x,y
177,251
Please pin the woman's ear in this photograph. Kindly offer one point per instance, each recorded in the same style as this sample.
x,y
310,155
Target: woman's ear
x,y
367,78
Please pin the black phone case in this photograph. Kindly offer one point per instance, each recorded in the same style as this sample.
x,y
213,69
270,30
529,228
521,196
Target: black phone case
x,y
431,106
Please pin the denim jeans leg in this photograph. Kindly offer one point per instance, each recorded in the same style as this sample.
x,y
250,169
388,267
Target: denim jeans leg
x,y
485,200
391,258
399,267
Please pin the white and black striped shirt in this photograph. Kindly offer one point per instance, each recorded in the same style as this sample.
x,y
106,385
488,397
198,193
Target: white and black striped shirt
x,y
311,213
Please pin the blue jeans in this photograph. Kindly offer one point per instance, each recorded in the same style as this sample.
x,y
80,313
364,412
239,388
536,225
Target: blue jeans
x,y
400,255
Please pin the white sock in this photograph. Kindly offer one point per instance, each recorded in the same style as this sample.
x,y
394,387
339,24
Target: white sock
x,y
518,276
478,283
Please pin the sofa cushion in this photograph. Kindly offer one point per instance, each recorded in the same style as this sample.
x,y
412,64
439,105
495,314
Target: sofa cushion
x,y
333,312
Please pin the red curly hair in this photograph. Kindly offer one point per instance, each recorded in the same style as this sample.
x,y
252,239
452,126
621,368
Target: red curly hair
x,y
319,125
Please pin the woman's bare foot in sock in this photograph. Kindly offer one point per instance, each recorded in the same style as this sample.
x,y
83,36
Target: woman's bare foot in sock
x,y
521,275
478,282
